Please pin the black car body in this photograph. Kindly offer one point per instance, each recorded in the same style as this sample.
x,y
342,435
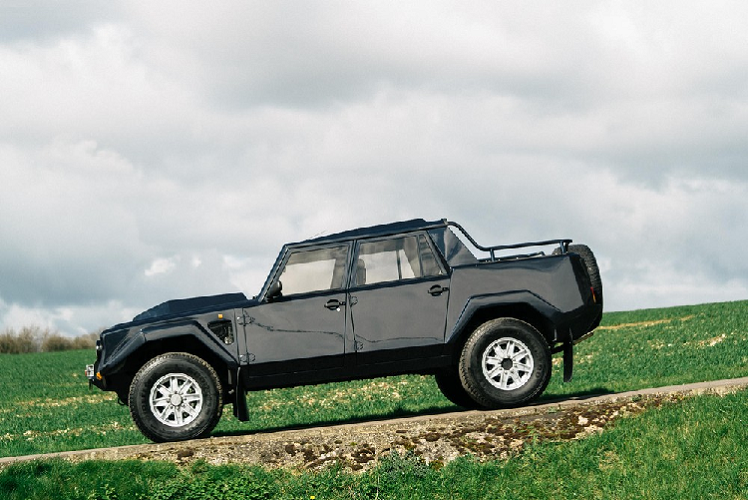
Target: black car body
x,y
407,297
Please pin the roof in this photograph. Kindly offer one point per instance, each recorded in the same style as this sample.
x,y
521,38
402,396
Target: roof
x,y
374,231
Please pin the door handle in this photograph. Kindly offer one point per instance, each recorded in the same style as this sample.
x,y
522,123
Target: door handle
x,y
334,304
437,290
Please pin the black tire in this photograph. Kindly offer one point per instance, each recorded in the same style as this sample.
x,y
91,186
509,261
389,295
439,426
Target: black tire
x,y
448,381
176,396
496,379
593,270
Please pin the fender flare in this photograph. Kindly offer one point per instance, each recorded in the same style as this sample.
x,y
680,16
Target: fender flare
x,y
508,300
138,339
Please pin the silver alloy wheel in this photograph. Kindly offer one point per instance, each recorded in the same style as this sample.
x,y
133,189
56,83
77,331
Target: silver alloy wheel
x,y
507,364
176,399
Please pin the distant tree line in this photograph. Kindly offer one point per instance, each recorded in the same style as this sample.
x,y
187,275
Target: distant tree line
x,y
35,339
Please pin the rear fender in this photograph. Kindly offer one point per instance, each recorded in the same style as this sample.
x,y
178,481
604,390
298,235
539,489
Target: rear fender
x,y
519,304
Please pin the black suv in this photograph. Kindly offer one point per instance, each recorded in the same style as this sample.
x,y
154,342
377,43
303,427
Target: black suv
x,y
407,297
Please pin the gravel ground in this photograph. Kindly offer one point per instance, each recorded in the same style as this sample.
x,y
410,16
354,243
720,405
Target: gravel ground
x,y
439,438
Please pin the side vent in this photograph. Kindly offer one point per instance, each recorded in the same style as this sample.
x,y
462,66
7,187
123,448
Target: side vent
x,y
223,330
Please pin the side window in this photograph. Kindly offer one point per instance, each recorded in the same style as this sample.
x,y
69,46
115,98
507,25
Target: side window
x,y
395,259
453,250
429,263
314,270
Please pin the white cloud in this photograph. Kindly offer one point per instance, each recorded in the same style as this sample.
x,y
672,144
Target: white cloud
x,y
652,284
161,266
73,320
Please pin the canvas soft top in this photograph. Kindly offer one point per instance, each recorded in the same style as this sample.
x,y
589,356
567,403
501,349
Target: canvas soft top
x,y
374,231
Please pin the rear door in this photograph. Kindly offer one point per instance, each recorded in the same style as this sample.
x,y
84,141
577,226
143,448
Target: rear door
x,y
398,299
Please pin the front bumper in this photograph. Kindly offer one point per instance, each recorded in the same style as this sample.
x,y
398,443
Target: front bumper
x,y
94,377
91,375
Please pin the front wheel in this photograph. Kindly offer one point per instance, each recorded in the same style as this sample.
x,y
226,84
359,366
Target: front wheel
x,y
176,396
505,363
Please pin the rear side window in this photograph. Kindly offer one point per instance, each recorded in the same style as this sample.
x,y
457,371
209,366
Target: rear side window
x,y
452,248
429,263
314,270
395,259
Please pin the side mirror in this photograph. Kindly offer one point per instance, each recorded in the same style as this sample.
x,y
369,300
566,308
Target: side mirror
x,y
274,291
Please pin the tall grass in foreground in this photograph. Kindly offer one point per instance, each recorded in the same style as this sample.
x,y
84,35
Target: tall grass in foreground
x,y
695,449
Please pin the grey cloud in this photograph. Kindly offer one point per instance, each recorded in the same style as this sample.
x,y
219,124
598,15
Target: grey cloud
x,y
161,150
39,20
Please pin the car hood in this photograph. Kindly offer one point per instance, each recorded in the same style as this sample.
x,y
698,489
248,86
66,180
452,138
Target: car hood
x,y
185,307
181,307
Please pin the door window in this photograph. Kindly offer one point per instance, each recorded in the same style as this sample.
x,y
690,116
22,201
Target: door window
x,y
314,270
395,259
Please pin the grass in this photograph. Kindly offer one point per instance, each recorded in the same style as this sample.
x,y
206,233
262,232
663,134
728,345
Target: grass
x,y
660,347
46,407
694,449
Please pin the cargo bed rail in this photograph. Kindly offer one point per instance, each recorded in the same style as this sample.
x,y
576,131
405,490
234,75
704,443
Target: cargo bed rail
x,y
563,244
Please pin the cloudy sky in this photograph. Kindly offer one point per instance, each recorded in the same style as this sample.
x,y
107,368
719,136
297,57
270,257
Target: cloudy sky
x,y
156,150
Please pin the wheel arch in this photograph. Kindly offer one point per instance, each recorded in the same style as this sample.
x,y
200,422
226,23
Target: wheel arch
x,y
175,341
479,311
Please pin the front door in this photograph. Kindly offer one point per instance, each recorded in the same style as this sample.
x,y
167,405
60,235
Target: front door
x,y
303,328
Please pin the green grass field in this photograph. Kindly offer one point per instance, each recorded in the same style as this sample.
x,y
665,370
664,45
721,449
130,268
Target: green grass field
x,y
46,406
695,449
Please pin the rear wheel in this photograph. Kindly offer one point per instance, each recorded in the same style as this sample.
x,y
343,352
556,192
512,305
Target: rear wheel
x,y
176,396
505,363
448,381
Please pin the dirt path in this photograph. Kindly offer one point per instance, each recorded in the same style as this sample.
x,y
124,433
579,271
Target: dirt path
x,y
436,438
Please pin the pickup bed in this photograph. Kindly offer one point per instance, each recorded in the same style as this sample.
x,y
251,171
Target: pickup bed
x,y
405,297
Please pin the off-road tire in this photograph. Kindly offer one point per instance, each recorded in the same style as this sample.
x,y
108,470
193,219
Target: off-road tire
x,y
505,363
194,407
449,383
593,270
